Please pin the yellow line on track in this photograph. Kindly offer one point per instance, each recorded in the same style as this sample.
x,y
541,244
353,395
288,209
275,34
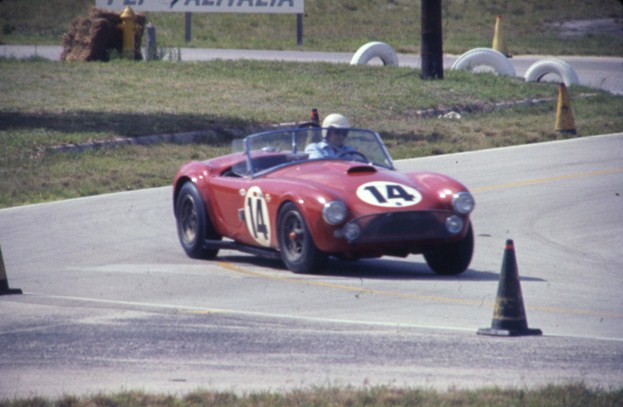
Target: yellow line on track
x,y
429,298
546,180
344,287
449,300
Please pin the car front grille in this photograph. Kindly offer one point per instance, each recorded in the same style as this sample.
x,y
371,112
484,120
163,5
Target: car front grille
x,y
402,226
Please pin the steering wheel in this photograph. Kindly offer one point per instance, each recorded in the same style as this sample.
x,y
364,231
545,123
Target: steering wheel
x,y
354,154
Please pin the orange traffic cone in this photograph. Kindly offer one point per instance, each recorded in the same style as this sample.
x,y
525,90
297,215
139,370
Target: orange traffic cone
x,y
499,44
4,283
564,115
509,315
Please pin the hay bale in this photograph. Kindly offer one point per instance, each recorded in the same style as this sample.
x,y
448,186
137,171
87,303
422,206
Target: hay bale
x,y
92,38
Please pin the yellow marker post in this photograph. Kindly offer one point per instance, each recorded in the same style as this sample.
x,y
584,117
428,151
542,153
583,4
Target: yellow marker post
x,y
129,28
499,44
564,115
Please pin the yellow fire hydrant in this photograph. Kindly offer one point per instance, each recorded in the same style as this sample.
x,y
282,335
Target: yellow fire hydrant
x,y
129,28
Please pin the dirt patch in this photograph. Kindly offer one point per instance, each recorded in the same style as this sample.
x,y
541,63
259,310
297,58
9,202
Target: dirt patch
x,y
218,133
577,28
92,38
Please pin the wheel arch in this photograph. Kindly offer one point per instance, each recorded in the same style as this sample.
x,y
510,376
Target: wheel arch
x,y
179,183
298,205
309,214
299,252
195,172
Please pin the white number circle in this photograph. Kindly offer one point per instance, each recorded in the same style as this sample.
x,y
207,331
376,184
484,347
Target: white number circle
x,y
388,194
256,216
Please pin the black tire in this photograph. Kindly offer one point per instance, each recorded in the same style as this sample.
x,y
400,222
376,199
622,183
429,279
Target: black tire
x,y
193,224
298,251
452,258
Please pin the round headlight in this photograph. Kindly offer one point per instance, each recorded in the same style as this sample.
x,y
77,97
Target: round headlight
x,y
454,224
351,231
334,212
463,202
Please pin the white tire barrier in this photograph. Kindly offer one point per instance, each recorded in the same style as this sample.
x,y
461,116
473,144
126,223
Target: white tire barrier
x,y
556,66
373,50
484,57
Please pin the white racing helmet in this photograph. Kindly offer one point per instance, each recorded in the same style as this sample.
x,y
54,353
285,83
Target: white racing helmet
x,y
334,120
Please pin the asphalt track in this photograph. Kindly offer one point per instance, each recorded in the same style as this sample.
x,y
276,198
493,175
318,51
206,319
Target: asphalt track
x,y
111,302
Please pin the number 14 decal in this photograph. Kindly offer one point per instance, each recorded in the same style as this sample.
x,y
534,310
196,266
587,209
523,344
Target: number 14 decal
x,y
256,216
388,194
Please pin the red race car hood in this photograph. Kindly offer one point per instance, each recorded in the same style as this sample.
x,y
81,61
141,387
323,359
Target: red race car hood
x,y
374,186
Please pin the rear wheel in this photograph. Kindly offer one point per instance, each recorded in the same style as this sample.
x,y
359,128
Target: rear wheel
x,y
193,223
298,251
452,258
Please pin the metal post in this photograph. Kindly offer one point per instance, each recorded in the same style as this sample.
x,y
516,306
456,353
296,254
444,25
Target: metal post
x,y
187,18
151,42
299,29
432,40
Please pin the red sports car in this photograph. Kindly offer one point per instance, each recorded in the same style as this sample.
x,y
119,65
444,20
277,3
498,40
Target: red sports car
x,y
269,198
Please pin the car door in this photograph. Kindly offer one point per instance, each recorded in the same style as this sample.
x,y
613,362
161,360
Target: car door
x,y
240,209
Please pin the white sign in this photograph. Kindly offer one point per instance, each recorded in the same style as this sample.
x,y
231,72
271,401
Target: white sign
x,y
207,6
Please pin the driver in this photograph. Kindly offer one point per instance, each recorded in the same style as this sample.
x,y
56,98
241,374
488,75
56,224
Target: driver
x,y
335,129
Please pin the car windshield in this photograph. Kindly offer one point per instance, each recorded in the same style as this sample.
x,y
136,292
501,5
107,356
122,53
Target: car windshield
x,y
272,149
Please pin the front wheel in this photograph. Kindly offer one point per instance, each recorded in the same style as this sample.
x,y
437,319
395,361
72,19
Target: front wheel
x,y
298,251
452,258
193,223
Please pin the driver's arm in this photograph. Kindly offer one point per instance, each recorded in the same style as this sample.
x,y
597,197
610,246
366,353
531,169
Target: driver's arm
x,y
314,151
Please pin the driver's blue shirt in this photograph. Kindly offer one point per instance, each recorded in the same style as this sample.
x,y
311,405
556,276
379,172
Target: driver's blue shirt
x,y
323,149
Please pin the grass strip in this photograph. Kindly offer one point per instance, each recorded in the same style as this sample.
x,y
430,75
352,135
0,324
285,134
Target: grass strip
x,y
564,395
529,26
48,104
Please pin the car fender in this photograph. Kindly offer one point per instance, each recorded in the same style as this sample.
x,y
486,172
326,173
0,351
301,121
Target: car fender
x,y
309,201
440,186
197,172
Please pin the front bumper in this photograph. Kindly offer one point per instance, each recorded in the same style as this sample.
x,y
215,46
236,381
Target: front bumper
x,y
405,226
